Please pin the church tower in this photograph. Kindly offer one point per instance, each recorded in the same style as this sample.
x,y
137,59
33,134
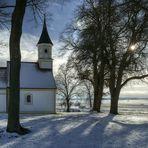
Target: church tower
x,y
45,49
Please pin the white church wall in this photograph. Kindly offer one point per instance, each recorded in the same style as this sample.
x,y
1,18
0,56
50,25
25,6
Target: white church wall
x,y
2,100
45,64
42,101
45,55
41,51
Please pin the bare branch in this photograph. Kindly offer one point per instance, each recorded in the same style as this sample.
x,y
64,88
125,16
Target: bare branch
x,y
133,78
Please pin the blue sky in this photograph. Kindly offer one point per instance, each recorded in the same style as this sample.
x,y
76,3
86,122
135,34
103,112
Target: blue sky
x,y
60,16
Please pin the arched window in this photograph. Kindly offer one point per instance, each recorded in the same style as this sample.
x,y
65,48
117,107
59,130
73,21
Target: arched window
x,y
28,99
45,50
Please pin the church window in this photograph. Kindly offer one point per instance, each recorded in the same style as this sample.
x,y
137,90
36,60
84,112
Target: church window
x,y
45,50
28,99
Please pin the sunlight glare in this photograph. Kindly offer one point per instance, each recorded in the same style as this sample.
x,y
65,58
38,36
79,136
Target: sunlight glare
x,y
133,47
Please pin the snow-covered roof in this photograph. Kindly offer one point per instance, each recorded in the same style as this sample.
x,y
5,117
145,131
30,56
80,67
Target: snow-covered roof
x,y
31,76
3,77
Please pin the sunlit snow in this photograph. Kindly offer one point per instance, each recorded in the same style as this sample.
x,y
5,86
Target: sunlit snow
x,y
79,130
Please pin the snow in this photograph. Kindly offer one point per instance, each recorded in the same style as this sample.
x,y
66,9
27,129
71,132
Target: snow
x,y
78,130
31,76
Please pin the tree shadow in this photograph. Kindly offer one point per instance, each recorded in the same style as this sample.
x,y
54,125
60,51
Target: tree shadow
x,y
77,131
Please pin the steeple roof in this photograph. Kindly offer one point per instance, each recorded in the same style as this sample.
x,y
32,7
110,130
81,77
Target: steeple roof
x,y
44,38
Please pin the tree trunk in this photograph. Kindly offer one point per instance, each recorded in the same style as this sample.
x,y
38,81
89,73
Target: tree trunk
x,y
101,83
68,105
98,82
15,59
114,102
96,100
90,101
98,93
95,85
115,92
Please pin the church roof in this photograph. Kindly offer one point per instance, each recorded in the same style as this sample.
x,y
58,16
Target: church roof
x,y
44,38
31,76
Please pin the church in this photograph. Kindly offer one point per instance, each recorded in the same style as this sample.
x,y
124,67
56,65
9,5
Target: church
x,y
37,83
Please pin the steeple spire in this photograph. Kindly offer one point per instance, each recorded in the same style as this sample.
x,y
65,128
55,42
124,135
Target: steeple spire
x,y
44,38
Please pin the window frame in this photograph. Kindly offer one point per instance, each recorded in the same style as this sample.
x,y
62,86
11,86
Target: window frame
x,y
31,98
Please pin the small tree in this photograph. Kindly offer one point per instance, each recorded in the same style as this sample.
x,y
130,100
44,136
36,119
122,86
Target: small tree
x,y
88,92
67,84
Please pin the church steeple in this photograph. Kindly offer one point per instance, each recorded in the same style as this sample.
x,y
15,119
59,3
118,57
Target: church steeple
x,y
45,49
44,38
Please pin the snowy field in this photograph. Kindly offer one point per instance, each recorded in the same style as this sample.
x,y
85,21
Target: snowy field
x,y
79,130
129,106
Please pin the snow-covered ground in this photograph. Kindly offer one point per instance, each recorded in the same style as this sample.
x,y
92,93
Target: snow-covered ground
x,y
79,130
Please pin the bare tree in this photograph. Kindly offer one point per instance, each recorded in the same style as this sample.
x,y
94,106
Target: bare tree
x,y
86,38
88,92
103,45
15,60
67,84
127,44
15,56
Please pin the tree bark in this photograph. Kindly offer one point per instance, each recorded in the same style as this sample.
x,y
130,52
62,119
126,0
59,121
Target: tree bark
x,y
98,84
98,93
114,101
68,105
101,82
13,124
95,85
96,100
90,101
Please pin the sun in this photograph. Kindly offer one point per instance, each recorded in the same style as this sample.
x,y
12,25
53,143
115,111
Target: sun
x,y
132,47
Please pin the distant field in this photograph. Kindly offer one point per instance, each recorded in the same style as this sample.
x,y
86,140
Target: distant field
x,y
138,105
129,105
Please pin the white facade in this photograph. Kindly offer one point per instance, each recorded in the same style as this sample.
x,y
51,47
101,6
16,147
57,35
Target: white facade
x,y
43,101
45,64
3,100
45,55
44,51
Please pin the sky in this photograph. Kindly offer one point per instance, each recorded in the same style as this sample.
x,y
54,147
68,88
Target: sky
x,y
61,15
